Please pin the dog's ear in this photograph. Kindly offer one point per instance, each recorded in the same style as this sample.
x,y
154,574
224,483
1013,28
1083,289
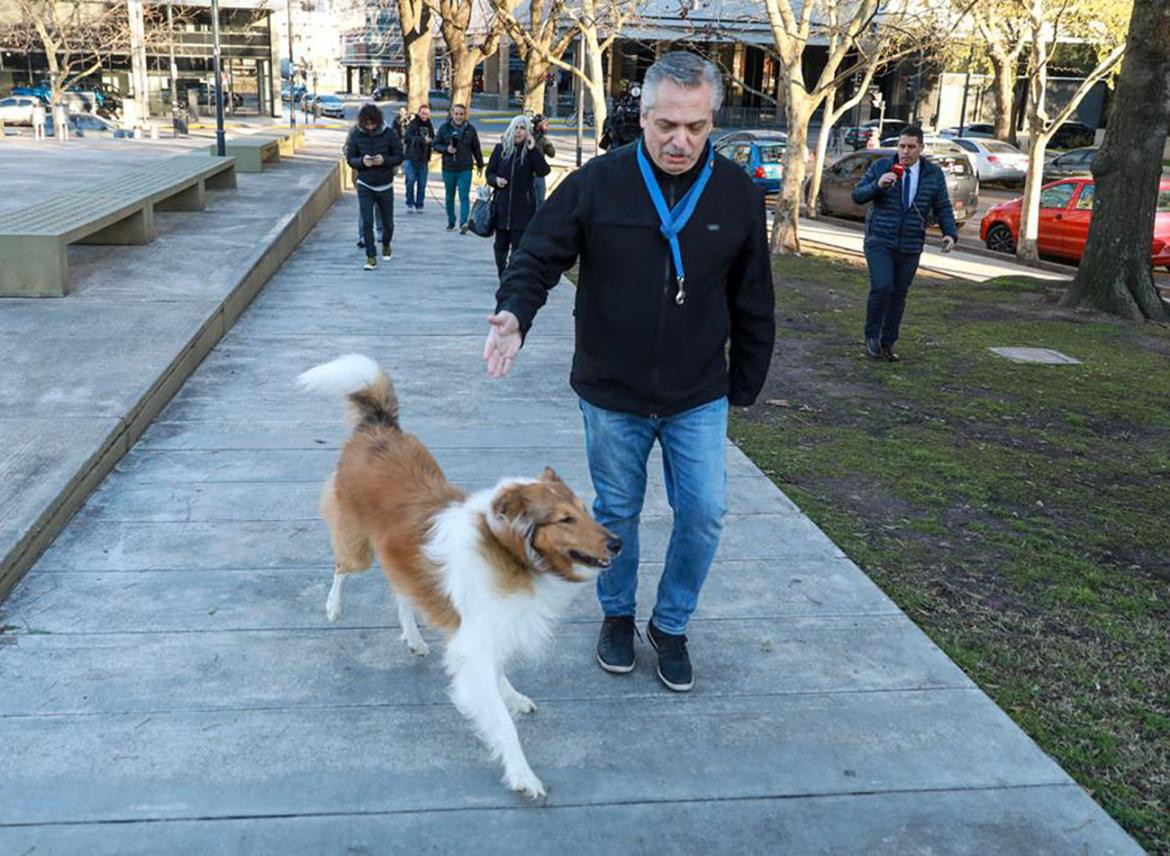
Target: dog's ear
x,y
550,475
511,504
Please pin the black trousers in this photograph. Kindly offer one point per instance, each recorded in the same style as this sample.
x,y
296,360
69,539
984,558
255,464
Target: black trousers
x,y
507,240
384,200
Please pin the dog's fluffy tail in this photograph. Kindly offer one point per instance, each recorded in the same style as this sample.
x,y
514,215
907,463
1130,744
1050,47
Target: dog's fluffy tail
x,y
372,400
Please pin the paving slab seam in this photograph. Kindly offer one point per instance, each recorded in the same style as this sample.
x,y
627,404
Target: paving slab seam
x,y
811,795
260,267
655,694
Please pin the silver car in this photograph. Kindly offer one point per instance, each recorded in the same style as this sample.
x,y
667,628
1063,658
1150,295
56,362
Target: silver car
x,y
996,160
17,109
839,179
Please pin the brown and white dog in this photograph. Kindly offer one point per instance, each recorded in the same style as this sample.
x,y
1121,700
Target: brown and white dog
x,y
493,570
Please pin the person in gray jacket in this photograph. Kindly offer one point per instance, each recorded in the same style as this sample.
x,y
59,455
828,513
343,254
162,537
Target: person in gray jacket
x,y
907,192
374,150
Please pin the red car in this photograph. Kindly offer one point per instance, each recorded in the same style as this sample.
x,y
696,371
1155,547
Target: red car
x,y
1065,209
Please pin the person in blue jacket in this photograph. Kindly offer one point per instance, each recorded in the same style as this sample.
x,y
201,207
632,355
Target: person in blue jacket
x,y
895,233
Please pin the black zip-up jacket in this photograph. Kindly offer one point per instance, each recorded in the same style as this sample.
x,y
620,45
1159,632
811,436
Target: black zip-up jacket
x,y
467,147
637,351
516,200
414,141
382,142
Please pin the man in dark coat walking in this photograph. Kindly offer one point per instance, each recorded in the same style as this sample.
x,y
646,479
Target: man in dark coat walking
x,y
374,150
458,142
674,323
416,144
906,191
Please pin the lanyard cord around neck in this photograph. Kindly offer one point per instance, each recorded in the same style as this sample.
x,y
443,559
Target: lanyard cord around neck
x,y
673,220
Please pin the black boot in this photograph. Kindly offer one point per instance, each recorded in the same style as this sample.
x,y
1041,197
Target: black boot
x,y
615,645
674,663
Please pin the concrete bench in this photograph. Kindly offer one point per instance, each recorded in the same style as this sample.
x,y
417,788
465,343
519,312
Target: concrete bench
x,y
251,153
289,140
34,260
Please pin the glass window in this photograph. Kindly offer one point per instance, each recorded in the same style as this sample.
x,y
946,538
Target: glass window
x,y
1164,200
771,153
997,146
966,144
742,155
1085,200
1057,196
7,102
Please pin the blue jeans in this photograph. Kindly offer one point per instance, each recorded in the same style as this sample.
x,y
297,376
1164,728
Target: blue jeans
x,y
538,189
890,275
462,181
416,182
694,464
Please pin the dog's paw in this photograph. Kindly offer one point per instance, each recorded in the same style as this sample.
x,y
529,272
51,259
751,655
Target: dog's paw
x,y
525,782
520,703
333,608
418,648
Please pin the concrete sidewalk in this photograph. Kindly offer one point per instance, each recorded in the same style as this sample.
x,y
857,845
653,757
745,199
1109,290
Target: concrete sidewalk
x,y
171,683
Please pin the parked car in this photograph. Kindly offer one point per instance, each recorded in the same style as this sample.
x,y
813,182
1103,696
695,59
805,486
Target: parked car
x,y
975,129
1076,162
1073,135
759,153
1066,208
995,160
297,93
329,105
84,124
388,93
859,137
17,109
837,183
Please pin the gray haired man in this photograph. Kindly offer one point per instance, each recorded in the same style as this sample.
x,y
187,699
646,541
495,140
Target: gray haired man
x,y
674,263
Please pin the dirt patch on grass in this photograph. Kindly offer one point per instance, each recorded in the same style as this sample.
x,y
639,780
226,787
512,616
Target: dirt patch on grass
x,y
1015,512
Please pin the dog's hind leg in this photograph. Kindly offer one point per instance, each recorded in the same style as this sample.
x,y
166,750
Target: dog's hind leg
x,y
410,634
516,701
352,552
475,689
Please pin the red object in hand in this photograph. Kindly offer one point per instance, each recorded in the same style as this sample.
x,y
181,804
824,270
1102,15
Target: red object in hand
x,y
897,169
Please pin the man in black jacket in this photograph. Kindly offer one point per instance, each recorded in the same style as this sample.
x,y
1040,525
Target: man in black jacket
x,y
416,144
458,142
672,245
374,150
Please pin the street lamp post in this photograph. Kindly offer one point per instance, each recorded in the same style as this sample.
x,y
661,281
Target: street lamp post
x,y
292,74
220,145
966,86
176,125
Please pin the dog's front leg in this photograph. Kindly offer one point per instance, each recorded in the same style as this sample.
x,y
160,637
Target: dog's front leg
x,y
516,701
475,689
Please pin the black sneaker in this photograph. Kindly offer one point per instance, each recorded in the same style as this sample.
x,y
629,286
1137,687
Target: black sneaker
x,y
463,229
615,645
450,227
873,349
361,244
674,664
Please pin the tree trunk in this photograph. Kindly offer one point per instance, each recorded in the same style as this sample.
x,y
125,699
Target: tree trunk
x,y
462,73
785,217
814,182
1005,89
1115,271
535,68
1030,205
415,17
595,71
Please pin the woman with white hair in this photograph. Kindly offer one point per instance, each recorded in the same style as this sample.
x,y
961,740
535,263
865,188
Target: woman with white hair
x,y
515,163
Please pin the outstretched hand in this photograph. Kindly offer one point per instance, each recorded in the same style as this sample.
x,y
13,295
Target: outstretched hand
x,y
503,343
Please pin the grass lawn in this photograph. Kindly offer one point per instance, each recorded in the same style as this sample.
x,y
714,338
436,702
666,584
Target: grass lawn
x,y
1018,513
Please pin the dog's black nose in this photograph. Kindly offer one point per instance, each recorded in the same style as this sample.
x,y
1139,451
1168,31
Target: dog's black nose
x,y
614,545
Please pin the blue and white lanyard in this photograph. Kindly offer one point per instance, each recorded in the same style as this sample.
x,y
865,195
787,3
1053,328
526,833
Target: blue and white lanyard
x,y
674,220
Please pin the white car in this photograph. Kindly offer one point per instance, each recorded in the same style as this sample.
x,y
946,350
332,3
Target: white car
x,y
17,109
995,159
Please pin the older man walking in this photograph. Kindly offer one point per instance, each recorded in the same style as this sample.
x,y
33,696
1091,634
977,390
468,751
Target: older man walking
x,y
674,263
